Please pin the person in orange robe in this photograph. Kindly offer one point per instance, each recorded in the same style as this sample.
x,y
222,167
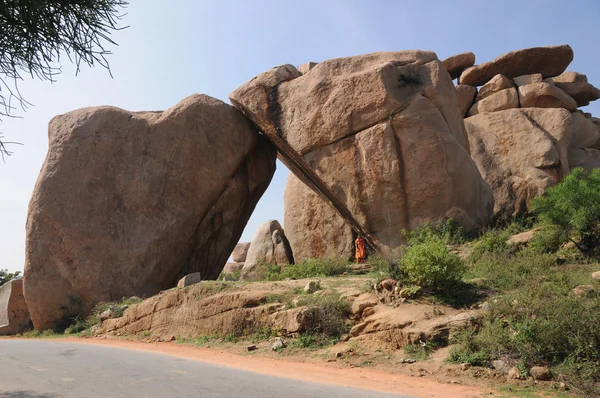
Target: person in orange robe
x,y
360,250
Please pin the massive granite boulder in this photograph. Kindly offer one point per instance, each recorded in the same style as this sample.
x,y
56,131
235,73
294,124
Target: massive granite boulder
x,y
548,61
269,246
129,202
379,137
520,152
14,315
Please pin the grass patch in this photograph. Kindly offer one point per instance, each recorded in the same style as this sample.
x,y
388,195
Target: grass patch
x,y
314,341
310,268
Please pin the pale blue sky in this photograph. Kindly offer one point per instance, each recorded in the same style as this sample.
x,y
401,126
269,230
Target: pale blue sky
x,y
180,47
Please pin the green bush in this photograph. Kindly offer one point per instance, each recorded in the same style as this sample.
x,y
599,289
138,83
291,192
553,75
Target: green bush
x,y
429,263
548,238
574,206
327,314
310,268
446,230
490,242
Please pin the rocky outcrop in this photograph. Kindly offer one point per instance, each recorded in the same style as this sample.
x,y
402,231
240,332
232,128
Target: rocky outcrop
x,y
129,202
548,61
14,315
459,62
269,246
520,152
379,137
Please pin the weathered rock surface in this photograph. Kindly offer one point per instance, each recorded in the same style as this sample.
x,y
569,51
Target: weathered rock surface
x,y
544,95
584,290
231,268
585,133
582,93
14,315
459,62
496,84
190,279
540,373
240,252
136,216
409,323
528,79
466,98
313,228
378,136
520,152
548,61
269,246
505,99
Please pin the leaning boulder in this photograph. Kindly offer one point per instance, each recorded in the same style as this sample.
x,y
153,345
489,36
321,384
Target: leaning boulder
x,y
582,93
520,152
269,246
379,137
129,202
505,99
548,61
14,315
190,279
495,85
466,97
240,252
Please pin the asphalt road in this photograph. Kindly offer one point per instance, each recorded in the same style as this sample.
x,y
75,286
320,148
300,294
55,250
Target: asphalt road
x,y
45,369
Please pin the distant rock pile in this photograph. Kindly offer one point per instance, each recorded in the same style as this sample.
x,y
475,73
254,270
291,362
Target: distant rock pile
x,y
525,131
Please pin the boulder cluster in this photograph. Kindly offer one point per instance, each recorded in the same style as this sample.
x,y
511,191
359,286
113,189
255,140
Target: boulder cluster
x,y
128,203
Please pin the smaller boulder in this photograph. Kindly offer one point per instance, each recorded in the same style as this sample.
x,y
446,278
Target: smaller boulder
x,y
304,68
540,373
582,93
528,79
570,77
362,302
543,95
240,252
584,291
584,133
513,374
277,344
502,100
501,366
189,279
459,62
596,276
588,158
232,268
312,287
466,98
14,315
522,239
498,83
269,246
111,312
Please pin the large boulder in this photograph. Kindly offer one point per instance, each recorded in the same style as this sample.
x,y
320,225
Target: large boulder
x,y
520,152
129,202
459,62
583,93
313,228
544,95
379,137
269,246
549,61
14,315
240,252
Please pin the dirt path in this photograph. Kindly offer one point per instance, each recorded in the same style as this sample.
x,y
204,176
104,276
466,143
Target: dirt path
x,y
331,373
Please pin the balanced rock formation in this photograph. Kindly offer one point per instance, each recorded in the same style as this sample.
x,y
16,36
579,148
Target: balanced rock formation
x,y
14,315
520,152
504,99
269,246
379,137
548,61
129,202
544,95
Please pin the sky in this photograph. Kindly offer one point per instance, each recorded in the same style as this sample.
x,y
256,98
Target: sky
x,y
181,47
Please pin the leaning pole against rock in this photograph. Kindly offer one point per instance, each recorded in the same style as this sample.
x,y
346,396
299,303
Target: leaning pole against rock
x,y
378,138
128,202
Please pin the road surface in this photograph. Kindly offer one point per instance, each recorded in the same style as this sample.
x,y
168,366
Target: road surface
x,y
48,369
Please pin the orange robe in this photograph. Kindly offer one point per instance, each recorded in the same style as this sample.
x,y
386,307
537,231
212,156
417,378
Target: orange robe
x,y
360,249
